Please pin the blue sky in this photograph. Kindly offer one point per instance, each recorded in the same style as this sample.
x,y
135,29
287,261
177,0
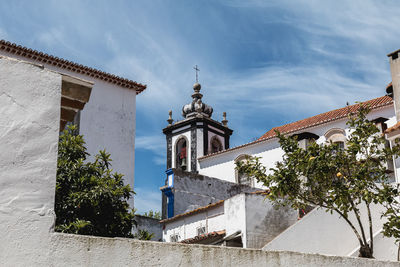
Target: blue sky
x,y
265,63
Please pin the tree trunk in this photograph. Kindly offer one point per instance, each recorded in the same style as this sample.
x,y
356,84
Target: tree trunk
x,y
365,252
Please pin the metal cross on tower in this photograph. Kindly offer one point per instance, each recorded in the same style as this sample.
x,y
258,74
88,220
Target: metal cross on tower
x,y
197,73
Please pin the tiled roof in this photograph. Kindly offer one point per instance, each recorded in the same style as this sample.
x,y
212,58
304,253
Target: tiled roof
x,y
393,128
199,238
193,211
70,66
312,121
327,117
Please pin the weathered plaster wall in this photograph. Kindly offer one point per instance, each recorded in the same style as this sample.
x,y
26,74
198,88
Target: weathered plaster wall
x,y
151,225
264,222
72,250
235,216
193,190
108,121
30,98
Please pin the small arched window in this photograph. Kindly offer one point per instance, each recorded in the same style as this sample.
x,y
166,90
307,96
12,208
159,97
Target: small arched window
x,y
216,144
305,139
181,154
337,136
243,178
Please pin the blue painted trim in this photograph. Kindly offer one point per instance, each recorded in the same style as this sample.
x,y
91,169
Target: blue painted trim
x,y
170,195
170,172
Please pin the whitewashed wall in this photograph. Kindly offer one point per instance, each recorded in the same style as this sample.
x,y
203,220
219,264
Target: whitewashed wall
x,y
72,250
325,233
186,227
235,210
108,121
264,222
257,220
30,99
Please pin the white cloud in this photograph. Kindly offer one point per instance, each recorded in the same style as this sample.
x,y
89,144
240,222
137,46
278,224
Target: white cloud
x,y
146,200
3,34
51,37
155,144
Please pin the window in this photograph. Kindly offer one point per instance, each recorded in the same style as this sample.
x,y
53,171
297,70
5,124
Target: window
x,y
337,136
216,144
201,230
181,154
242,178
174,238
305,139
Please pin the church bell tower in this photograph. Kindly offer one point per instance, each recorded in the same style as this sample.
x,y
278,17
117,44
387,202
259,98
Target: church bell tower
x,y
196,135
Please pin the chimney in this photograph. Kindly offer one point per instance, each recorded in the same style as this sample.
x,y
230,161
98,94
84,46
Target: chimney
x,y
395,70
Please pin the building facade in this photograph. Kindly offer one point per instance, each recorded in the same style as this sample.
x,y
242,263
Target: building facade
x,y
109,118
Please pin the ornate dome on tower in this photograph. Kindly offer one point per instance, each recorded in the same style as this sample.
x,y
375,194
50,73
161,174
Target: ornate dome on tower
x,y
197,107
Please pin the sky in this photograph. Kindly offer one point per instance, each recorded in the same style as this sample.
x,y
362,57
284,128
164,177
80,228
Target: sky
x,y
265,63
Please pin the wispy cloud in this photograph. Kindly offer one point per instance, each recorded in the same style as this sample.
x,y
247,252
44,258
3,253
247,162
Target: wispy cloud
x,y
146,200
3,34
155,144
51,37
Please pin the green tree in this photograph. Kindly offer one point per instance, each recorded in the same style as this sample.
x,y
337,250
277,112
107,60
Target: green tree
x,y
90,199
339,180
153,214
144,235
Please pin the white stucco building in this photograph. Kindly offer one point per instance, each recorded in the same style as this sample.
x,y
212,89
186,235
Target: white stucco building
x,y
317,232
109,118
244,220
325,127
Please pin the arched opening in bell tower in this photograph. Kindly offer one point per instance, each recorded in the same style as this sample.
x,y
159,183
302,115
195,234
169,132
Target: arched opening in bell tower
x,y
181,161
216,144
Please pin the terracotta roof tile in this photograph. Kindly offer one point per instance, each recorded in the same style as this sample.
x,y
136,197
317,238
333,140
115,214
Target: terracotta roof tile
x,y
393,128
193,211
69,65
204,237
326,117
312,121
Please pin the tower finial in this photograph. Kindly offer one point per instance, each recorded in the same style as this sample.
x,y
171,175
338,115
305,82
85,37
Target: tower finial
x,y
197,73
170,120
224,121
